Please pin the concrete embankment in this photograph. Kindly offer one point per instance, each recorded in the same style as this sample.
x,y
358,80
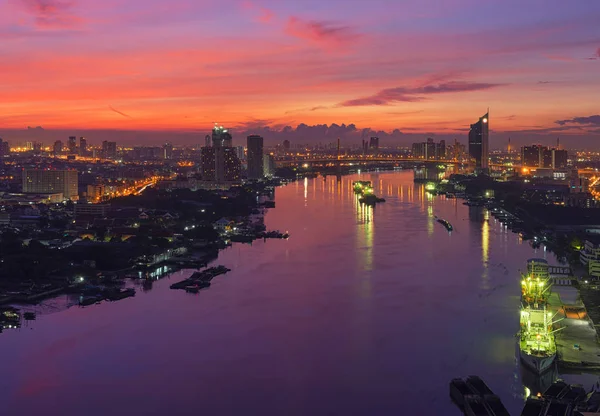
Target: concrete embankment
x,y
576,338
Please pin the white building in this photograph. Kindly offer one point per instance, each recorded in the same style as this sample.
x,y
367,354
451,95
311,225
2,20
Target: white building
x,y
590,257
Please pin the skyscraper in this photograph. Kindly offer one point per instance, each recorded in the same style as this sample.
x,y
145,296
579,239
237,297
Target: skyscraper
x,y
109,150
374,143
1,147
4,148
207,163
51,181
207,140
221,137
82,146
255,157
168,151
72,145
479,143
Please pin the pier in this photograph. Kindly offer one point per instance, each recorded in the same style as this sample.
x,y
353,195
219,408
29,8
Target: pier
x,y
576,340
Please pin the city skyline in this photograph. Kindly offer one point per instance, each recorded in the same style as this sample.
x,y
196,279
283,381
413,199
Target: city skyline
x,y
83,66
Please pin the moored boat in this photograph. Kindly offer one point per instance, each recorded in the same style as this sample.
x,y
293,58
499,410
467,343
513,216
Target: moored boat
x,y
537,347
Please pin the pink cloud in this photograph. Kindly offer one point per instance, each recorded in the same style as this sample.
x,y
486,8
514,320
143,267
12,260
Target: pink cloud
x,y
50,14
322,32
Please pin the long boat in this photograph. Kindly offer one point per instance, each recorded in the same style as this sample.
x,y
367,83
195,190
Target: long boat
x,y
537,347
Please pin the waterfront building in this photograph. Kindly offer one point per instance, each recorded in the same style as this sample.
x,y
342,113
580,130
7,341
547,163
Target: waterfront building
x,y
109,150
220,165
590,256
429,150
268,165
45,181
479,143
255,157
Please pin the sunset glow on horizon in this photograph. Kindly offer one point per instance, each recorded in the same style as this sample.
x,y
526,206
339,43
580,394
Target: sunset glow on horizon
x,y
417,66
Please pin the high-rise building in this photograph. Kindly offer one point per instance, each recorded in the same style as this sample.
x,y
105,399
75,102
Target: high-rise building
x,y
374,143
207,141
37,147
255,157
109,150
207,163
286,145
168,151
232,167
51,181
4,148
479,142
268,165
559,158
72,145
82,146
221,137
58,147
543,157
240,152
429,150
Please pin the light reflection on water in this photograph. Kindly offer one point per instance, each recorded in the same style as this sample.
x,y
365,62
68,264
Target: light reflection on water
x,y
362,311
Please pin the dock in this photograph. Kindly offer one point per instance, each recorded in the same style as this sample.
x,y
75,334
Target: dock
x,y
576,340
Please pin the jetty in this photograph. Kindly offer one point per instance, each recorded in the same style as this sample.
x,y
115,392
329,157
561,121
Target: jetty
x,y
200,280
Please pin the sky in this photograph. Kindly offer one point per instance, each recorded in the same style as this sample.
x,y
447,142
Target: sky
x,y
308,70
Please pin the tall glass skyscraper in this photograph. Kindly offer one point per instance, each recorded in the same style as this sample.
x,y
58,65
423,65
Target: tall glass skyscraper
x,y
479,142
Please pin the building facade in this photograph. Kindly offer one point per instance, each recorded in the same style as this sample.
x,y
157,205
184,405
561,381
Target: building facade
x,y
479,142
255,157
42,181
109,150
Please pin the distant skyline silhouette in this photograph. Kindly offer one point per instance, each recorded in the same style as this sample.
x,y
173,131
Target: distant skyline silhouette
x,y
422,67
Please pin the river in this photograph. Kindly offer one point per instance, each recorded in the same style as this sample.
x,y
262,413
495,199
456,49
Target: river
x,y
361,312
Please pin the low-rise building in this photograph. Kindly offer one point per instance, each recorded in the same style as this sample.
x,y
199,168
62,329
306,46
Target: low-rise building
x,y
590,256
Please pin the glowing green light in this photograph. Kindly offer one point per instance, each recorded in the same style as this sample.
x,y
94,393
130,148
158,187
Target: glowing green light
x,y
430,186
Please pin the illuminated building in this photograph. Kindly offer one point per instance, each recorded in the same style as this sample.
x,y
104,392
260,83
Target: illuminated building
x,y
41,181
82,146
207,163
221,137
37,147
255,157
168,151
58,147
95,192
429,150
231,166
109,150
240,152
268,165
72,145
543,157
479,143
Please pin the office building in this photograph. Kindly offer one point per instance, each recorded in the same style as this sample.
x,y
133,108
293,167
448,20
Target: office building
x,y
42,181
82,146
109,150
72,145
255,157
479,143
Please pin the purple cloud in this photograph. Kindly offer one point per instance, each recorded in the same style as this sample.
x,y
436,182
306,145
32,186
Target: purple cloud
x,y
590,121
52,13
404,94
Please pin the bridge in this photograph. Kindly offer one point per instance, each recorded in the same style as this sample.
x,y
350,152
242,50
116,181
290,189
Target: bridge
x,y
361,160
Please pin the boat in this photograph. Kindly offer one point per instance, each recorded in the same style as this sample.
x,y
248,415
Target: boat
x,y
445,224
537,347
360,186
535,285
370,199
